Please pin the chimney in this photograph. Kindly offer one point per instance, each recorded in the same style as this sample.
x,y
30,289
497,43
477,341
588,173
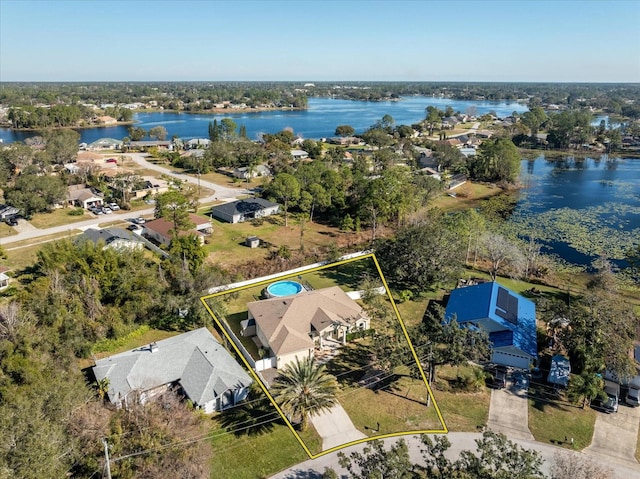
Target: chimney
x,y
153,347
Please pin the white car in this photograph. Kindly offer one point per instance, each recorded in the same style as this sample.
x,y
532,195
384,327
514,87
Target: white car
x,y
106,210
114,206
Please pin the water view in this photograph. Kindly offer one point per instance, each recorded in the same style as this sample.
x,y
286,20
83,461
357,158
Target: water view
x,y
318,121
580,208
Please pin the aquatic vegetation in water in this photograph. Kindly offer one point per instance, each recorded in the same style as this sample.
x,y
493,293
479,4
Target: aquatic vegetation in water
x,y
593,231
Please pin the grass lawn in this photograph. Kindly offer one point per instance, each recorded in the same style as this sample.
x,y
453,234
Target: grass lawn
x,y
462,411
23,253
467,196
253,457
398,407
412,311
348,276
58,217
226,243
552,422
6,230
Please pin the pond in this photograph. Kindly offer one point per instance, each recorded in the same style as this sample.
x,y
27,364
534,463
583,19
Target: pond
x,y
580,208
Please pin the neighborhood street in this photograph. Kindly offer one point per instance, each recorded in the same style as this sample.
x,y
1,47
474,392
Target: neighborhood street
x,y
613,446
313,468
220,193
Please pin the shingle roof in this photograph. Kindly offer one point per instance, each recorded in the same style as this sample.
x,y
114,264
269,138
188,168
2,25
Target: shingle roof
x,y
163,227
243,206
195,360
288,322
109,235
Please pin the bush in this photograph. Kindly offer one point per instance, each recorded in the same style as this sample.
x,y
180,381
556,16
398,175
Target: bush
x,y
76,212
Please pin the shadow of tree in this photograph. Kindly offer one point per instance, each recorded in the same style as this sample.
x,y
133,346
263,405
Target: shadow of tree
x,y
253,417
350,365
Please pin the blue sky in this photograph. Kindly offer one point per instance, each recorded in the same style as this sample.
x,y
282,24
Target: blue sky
x,y
138,40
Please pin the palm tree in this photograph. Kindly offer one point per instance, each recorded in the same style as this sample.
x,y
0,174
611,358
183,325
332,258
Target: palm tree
x,y
304,388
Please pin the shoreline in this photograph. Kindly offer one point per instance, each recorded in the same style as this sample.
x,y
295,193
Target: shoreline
x,y
213,111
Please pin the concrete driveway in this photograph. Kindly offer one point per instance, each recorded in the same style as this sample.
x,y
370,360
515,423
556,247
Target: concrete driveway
x,y
335,427
616,435
509,413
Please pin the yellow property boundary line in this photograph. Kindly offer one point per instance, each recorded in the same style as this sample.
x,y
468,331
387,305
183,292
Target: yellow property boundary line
x,y
444,429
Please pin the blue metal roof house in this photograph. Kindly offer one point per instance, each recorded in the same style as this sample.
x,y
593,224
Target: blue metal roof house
x,y
508,318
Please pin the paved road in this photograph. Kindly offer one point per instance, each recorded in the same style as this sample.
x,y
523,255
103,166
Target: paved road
x,y
223,193
220,193
460,441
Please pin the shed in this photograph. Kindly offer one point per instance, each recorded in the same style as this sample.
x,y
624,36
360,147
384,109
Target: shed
x,y
252,241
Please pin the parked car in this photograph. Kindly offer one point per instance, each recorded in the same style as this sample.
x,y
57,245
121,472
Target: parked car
x,y
140,220
633,392
96,210
111,160
114,206
609,402
106,210
134,227
11,221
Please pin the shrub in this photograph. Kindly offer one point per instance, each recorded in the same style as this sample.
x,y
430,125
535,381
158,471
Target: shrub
x,y
76,212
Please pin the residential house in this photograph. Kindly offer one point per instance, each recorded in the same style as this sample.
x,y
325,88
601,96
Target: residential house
x,y
299,154
106,120
197,143
289,327
161,230
467,152
144,145
4,278
150,186
8,211
508,318
114,238
194,362
105,144
83,197
242,210
245,173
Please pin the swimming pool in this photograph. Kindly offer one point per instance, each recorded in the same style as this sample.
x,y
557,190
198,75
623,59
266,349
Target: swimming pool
x,y
284,288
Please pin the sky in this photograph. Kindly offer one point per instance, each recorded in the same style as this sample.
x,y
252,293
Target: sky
x,y
329,40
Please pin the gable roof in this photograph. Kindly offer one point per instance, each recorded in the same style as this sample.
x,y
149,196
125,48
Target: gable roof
x,y
240,207
195,360
514,315
163,227
287,323
110,235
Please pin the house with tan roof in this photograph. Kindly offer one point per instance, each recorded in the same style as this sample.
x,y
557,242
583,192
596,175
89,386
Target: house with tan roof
x,y
290,327
161,229
83,197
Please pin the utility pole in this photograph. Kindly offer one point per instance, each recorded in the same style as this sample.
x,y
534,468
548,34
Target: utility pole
x,y
106,456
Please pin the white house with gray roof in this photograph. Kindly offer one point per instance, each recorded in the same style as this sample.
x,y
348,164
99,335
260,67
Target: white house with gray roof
x,y
242,210
195,362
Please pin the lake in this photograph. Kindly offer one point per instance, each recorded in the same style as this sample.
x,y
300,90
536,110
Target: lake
x,y
318,121
581,208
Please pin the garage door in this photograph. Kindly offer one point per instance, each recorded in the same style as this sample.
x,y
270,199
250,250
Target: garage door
x,y
512,360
